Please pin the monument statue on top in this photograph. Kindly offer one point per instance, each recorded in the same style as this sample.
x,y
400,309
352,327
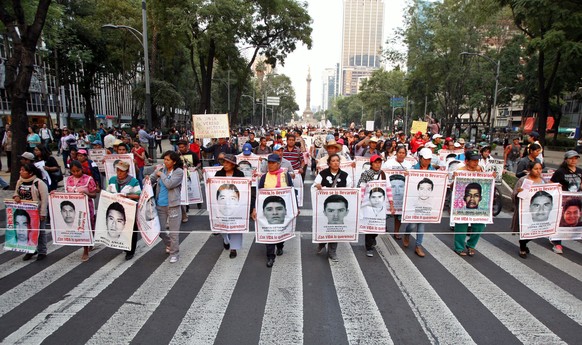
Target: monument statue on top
x,y
307,113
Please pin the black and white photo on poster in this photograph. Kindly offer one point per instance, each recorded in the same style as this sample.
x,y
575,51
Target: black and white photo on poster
x,y
336,215
373,208
276,214
115,220
424,196
70,219
229,203
540,208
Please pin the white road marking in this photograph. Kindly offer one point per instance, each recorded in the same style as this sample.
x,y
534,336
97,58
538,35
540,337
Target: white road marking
x,y
558,261
15,264
512,315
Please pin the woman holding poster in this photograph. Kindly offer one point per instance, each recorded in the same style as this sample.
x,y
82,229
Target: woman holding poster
x,y
398,162
332,177
168,185
534,176
126,186
30,186
79,182
274,178
230,169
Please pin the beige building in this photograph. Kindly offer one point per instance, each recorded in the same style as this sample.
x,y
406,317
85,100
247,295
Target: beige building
x,y
362,29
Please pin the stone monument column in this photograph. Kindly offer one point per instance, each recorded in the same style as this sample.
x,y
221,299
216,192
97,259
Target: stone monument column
x,y
307,113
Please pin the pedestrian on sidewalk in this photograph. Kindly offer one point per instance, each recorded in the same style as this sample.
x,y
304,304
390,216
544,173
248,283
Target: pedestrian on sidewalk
x,y
511,155
7,146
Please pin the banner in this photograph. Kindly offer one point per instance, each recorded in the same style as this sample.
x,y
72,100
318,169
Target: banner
x,y
22,226
397,181
424,196
298,185
115,220
97,156
570,225
335,215
111,160
70,219
418,126
373,208
472,197
495,165
539,210
148,222
229,204
276,215
210,125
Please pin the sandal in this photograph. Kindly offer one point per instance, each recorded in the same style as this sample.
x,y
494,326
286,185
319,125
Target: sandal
x,y
461,253
85,257
471,251
523,254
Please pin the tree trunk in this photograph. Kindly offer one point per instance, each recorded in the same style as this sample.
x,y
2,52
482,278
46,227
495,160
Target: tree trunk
x,y
543,99
206,76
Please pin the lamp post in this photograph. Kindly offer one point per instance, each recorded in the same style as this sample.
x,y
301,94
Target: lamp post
x,y
143,39
497,68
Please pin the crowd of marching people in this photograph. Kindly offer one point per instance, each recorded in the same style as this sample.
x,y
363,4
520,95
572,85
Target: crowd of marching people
x,y
309,152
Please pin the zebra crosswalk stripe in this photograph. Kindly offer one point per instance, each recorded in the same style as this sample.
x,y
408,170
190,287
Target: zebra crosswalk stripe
x,y
437,320
517,319
553,294
17,263
132,315
54,316
202,321
558,261
362,319
285,291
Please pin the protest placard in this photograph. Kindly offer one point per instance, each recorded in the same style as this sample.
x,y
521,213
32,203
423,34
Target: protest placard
x,y
97,156
115,220
22,226
373,209
397,181
472,197
111,160
336,215
540,210
148,222
70,219
424,196
229,203
570,225
276,214
210,125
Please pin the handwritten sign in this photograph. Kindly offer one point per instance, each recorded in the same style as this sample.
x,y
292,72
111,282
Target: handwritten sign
x,y
211,125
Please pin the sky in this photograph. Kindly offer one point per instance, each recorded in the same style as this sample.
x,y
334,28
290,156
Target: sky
x,y
326,46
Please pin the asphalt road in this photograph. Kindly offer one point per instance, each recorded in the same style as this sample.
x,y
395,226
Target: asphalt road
x,y
395,297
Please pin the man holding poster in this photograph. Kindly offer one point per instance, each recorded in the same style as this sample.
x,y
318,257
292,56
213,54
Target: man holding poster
x,y
276,179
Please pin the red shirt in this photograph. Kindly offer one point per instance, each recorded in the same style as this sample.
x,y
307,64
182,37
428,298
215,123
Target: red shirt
x,y
195,148
136,152
415,143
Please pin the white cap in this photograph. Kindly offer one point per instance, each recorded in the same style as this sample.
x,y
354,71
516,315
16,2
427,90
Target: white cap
x,y
425,153
436,136
430,145
457,145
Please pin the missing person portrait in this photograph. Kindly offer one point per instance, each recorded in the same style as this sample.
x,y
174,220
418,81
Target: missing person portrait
x,y
540,206
397,183
335,208
246,168
22,225
424,188
366,166
227,198
150,209
115,220
473,195
274,209
571,213
68,214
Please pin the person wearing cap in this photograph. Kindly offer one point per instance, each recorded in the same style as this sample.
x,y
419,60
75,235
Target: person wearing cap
x,y
416,142
375,173
97,144
285,164
533,138
424,163
435,158
167,190
437,141
109,139
126,186
533,151
274,178
247,151
221,146
370,150
89,167
332,147
232,242
463,247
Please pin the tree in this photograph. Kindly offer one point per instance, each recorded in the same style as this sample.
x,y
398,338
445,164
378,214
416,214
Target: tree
x,y
377,91
23,23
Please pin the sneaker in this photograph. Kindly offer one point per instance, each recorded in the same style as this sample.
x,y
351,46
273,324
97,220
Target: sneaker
x,y
40,257
369,253
270,262
279,251
173,259
558,249
333,257
28,256
232,254
320,248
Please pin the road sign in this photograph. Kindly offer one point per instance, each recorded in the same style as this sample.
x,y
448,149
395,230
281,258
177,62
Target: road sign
x,y
273,100
396,102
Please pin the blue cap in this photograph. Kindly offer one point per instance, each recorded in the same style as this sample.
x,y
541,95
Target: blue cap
x,y
273,157
534,134
247,149
277,147
97,142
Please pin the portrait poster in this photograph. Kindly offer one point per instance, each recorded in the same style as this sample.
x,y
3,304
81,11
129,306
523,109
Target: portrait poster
x,y
70,219
570,225
298,185
249,165
115,220
97,156
451,167
373,208
547,176
397,181
443,154
209,172
187,159
229,204
241,140
540,210
472,197
362,164
495,165
336,215
276,214
148,222
424,196
22,226
111,160
411,160
194,188
211,125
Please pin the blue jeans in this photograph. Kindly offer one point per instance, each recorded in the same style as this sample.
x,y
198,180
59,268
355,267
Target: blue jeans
x,y
419,231
3,183
42,238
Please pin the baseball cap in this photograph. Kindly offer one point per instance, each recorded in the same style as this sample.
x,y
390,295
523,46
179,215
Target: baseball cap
x,y
117,142
277,147
425,153
457,145
461,141
448,139
419,133
534,134
121,165
97,142
82,151
472,155
27,155
436,136
273,157
571,154
230,158
430,145
375,158
247,149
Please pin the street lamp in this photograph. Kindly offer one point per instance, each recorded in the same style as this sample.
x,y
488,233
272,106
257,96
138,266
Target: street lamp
x,y
497,67
143,40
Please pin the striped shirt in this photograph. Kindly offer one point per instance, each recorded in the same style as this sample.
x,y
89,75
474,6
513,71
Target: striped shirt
x,y
294,157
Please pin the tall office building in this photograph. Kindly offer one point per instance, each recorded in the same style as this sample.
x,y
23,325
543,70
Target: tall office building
x,y
363,25
330,89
